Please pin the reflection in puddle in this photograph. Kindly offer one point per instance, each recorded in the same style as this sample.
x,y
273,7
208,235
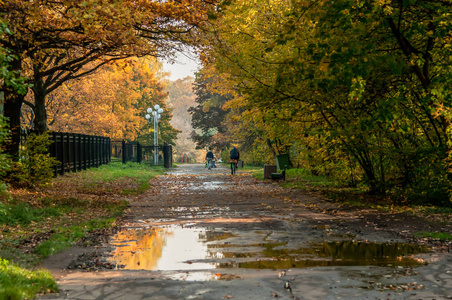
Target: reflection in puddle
x,y
168,248
210,185
193,276
345,253
197,212
183,208
191,248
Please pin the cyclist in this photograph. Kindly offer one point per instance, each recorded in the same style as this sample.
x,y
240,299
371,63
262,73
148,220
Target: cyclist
x,y
209,158
235,156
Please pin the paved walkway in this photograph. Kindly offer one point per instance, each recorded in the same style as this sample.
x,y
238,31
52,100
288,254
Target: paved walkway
x,y
200,234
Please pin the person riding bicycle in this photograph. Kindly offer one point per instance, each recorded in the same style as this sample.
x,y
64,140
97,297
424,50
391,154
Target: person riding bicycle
x,y
235,156
209,158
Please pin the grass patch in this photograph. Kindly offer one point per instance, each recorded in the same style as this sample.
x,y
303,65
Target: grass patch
x,y
24,260
359,196
255,171
43,222
259,175
133,178
20,283
301,179
66,237
116,170
436,210
304,179
434,235
251,168
24,213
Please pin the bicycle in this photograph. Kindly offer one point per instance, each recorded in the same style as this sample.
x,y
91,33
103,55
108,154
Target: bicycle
x,y
234,166
210,163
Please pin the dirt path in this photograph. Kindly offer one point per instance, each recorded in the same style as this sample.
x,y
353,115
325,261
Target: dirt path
x,y
199,234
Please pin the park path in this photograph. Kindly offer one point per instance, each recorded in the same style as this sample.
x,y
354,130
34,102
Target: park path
x,y
205,234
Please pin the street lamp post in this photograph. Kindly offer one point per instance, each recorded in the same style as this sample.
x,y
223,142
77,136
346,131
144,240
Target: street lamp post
x,y
155,115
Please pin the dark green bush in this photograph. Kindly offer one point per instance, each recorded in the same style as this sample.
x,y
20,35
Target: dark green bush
x,y
35,166
5,162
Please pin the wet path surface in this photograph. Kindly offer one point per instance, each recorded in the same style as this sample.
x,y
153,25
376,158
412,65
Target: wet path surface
x,y
200,234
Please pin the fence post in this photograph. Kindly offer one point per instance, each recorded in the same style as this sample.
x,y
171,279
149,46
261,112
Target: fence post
x,y
108,150
99,151
68,151
54,154
83,151
63,154
102,150
139,153
123,151
88,151
167,156
79,151
93,151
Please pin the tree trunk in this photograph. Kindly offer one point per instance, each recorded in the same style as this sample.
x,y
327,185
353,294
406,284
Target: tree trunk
x,y
40,111
11,110
288,155
269,144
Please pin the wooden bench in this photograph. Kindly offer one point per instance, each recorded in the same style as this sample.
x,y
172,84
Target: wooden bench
x,y
277,176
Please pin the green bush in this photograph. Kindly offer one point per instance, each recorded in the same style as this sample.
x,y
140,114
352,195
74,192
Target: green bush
x,y
225,156
5,161
35,165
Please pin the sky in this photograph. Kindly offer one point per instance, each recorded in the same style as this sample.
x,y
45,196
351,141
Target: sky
x,y
184,66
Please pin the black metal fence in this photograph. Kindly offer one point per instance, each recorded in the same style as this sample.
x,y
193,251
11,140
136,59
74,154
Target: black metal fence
x,y
77,152
116,150
136,152
123,151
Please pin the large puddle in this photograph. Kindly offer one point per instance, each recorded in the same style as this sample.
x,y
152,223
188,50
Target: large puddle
x,y
190,248
165,248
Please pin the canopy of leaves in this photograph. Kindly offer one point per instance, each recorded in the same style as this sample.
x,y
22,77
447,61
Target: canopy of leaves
x,y
112,102
357,89
54,41
208,115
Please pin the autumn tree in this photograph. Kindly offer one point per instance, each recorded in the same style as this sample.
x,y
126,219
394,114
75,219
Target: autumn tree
x,y
360,87
112,102
208,115
180,98
12,81
52,42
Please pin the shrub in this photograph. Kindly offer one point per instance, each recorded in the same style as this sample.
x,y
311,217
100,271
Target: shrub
x,y
5,161
35,166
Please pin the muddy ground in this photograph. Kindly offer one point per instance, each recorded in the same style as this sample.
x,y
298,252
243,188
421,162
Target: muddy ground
x,y
200,234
